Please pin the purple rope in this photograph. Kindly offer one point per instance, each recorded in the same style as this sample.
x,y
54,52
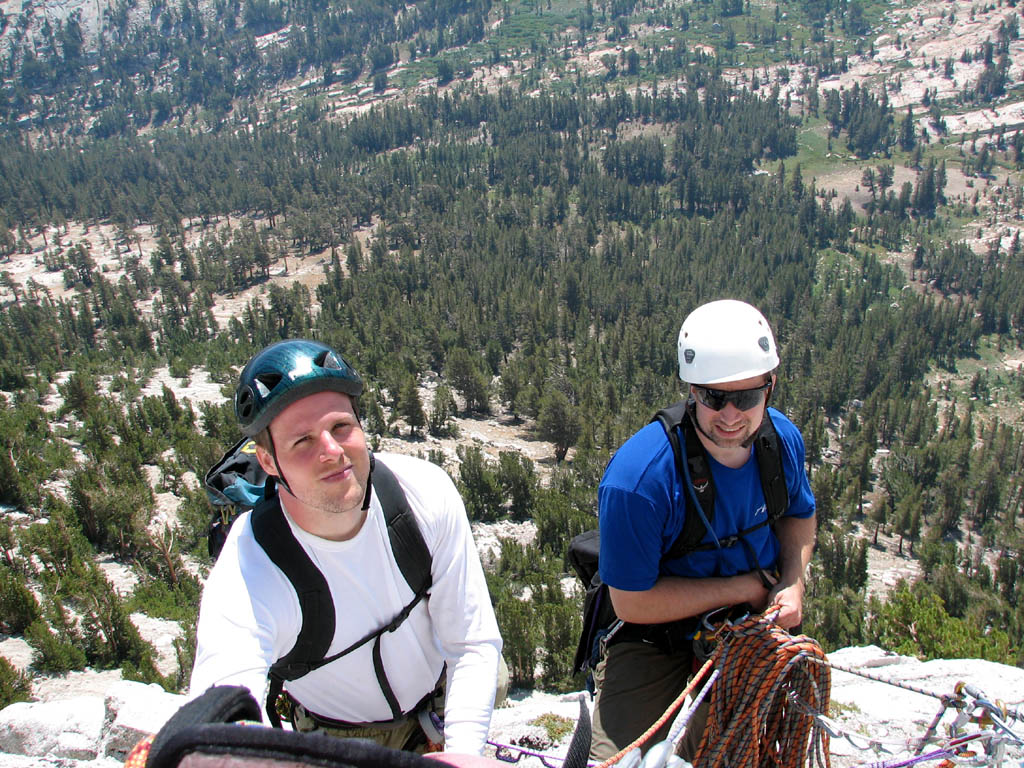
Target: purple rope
x,y
934,755
503,753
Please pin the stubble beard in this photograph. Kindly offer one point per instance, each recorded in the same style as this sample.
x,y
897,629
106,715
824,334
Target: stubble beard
x,y
742,439
340,502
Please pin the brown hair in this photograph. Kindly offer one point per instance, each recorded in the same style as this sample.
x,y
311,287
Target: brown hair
x,y
262,439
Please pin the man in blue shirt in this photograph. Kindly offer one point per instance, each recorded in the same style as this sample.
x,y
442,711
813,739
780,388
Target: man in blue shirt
x,y
727,356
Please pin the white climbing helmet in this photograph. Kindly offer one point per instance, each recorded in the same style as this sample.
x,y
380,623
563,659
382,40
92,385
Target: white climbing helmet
x,y
723,341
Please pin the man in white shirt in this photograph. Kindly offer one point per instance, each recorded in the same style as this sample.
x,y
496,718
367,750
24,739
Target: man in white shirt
x,y
299,400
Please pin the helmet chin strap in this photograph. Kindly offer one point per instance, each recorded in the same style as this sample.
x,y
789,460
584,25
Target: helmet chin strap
x,y
369,483
280,473
764,414
691,407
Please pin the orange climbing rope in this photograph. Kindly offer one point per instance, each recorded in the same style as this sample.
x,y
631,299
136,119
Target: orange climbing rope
x,y
752,723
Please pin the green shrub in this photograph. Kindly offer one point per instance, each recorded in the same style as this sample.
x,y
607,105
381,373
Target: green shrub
x,y
176,603
53,654
15,686
557,727
914,622
18,606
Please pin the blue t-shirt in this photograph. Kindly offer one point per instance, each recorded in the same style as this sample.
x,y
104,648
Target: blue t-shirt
x,y
642,506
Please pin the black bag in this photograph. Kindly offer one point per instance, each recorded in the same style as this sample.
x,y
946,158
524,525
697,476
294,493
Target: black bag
x,y
598,613
211,732
234,484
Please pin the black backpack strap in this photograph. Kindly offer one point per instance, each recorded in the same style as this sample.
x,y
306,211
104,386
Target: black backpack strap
x,y
411,552
414,561
273,533
697,469
768,453
769,464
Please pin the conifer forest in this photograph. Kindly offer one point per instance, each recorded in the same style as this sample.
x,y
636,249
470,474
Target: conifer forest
x,y
509,208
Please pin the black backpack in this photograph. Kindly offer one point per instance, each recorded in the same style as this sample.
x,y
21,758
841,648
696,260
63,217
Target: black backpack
x,y
239,482
598,613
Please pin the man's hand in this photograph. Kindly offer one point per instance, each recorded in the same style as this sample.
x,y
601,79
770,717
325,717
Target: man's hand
x,y
790,600
796,541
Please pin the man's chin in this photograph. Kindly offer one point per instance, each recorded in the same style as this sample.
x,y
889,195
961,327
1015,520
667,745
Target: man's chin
x,y
737,440
731,439
344,500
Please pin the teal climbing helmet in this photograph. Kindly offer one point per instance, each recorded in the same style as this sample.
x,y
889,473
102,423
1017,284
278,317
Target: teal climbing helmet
x,y
288,371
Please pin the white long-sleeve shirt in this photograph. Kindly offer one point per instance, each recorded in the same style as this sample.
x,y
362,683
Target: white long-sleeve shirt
x,y
249,616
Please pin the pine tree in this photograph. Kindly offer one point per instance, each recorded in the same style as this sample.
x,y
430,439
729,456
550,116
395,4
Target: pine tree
x,y
558,422
441,422
410,407
478,485
907,132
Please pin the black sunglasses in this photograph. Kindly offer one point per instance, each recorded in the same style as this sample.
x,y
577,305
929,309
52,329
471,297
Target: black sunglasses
x,y
744,399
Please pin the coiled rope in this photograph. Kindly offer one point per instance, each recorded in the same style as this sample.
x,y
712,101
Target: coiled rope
x,y
752,723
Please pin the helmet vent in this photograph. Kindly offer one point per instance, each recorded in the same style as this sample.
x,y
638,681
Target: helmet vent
x,y
763,343
267,382
245,404
329,360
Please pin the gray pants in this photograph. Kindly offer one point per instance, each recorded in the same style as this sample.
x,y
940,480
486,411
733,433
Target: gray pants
x,y
636,683
404,734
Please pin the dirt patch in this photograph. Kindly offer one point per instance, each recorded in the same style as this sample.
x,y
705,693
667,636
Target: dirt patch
x,y
847,183
886,566
493,434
